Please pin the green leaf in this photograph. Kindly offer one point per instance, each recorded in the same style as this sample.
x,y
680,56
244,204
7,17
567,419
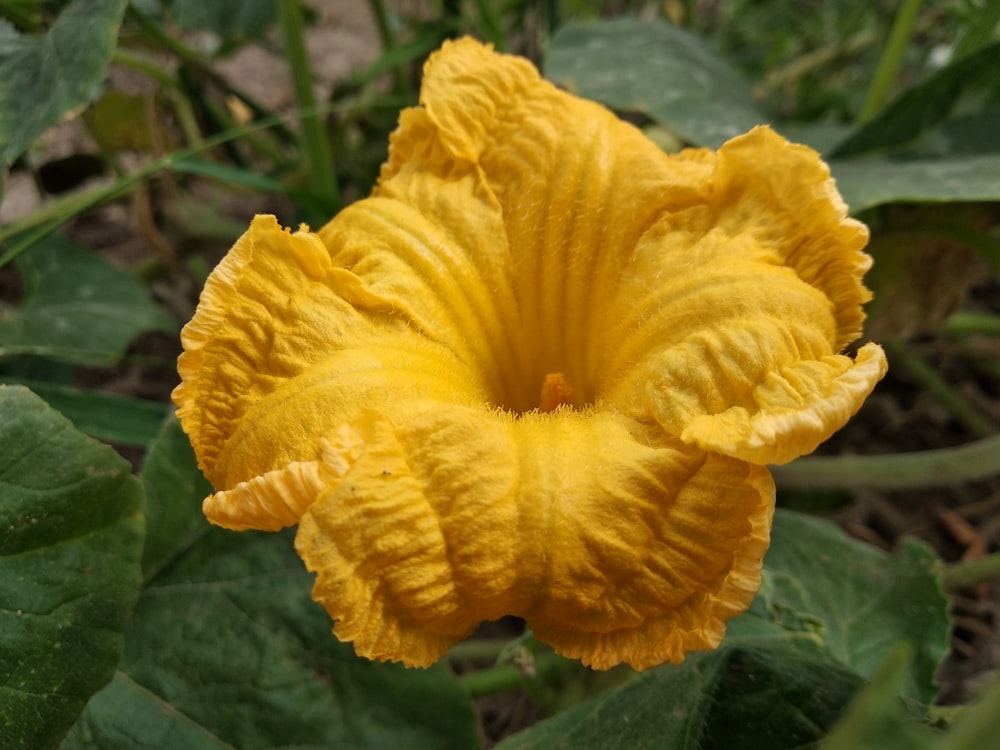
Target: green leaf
x,y
66,64
658,69
77,307
69,568
246,19
866,183
175,488
855,600
979,726
877,719
227,648
753,698
918,110
829,611
105,416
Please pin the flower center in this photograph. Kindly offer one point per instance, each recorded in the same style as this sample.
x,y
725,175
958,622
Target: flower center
x,y
556,391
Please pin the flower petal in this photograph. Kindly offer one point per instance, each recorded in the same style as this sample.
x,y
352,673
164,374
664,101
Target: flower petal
x,y
783,195
796,408
234,346
761,280
612,549
647,547
285,348
432,241
574,185
418,542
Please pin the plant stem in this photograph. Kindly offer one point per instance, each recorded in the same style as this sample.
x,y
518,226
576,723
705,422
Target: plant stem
x,y
49,217
56,212
969,323
147,68
490,681
478,649
506,677
938,387
808,62
159,38
892,58
388,40
895,471
317,147
961,575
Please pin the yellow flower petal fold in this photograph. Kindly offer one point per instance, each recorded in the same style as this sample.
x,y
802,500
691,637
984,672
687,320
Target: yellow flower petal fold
x,y
539,372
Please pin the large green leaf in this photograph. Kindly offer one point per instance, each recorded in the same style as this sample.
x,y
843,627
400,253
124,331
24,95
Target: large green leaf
x,y
672,77
227,18
43,77
175,488
764,698
865,183
658,69
227,648
852,599
69,568
877,719
922,107
105,416
77,307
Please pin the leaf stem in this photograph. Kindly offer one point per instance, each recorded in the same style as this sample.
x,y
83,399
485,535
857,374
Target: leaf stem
x,y
931,381
504,677
490,681
478,649
968,573
895,471
388,40
314,137
892,58
53,214
50,217
805,64
147,68
962,323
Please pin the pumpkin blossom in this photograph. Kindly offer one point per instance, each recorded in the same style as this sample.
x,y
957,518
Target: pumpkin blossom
x,y
539,372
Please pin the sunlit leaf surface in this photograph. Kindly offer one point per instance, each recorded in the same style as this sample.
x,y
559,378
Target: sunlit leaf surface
x,y
66,63
659,70
227,18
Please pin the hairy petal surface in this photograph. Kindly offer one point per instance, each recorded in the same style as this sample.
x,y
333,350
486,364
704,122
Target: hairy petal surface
x,y
613,549
284,349
730,307
575,188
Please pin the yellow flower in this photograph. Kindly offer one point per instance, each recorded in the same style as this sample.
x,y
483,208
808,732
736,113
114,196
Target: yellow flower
x,y
539,372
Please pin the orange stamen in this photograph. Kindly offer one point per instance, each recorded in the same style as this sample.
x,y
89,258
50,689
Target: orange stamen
x,y
556,391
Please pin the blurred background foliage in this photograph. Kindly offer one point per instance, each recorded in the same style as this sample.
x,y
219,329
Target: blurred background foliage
x,y
138,139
